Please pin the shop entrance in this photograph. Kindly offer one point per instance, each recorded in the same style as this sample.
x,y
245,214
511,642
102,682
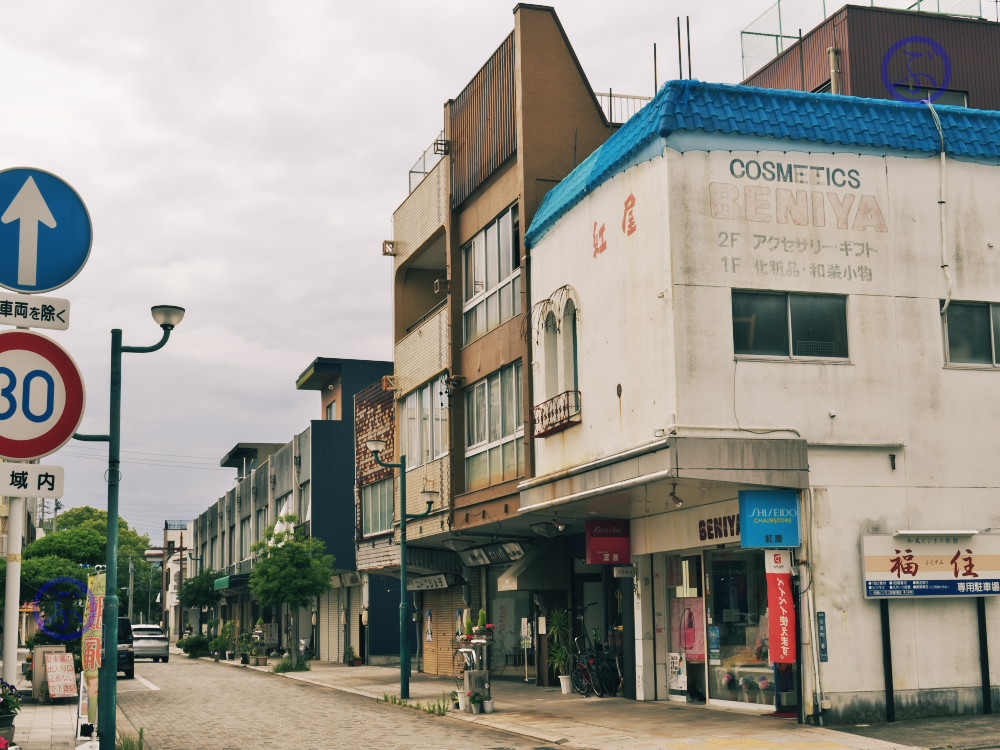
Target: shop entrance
x,y
739,668
686,641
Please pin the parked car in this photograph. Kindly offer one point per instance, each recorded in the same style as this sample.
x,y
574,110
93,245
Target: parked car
x,y
150,642
126,654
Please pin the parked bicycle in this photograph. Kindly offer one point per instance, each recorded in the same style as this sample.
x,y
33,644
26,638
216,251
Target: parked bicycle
x,y
462,659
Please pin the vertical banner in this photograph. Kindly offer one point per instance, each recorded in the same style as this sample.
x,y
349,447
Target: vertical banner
x,y
93,633
780,606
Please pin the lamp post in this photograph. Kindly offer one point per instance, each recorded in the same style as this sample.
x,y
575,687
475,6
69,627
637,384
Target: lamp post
x,y
376,447
167,317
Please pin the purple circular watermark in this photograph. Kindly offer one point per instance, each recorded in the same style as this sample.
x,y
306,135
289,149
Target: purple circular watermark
x,y
62,622
926,69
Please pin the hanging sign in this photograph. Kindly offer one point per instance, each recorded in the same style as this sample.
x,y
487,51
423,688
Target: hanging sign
x,y
780,606
608,542
770,518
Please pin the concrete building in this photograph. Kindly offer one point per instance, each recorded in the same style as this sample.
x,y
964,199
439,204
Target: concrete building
x,y
783,347
312,478
175,564
461,380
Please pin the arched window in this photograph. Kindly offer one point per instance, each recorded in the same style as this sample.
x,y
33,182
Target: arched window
x,y
551,363
570,373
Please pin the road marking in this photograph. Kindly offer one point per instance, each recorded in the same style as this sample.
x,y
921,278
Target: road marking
x,y
146,682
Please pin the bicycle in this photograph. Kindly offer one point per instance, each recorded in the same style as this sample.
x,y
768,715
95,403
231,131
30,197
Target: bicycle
x,y
585,675
462,659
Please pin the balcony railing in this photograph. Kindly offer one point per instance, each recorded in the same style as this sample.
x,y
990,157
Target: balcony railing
x,y
427,161
618,108
557,413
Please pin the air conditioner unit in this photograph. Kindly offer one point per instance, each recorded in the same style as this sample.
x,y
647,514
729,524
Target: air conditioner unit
x,y
388,247
442,286
388,382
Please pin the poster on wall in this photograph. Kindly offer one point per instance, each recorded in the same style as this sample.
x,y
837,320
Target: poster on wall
x,y
780,606
687,618
714,645
428,625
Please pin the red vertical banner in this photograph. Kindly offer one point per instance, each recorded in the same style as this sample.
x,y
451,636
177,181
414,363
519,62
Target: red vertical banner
x,y
780,606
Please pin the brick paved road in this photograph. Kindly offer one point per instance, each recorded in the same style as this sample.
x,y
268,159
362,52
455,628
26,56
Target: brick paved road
x,y
206,706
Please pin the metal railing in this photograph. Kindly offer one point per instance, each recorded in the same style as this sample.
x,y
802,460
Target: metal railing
x,y
427,161
618,108
556,414
778,27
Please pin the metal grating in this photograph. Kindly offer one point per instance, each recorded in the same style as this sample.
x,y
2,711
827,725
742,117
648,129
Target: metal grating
x,y
482,130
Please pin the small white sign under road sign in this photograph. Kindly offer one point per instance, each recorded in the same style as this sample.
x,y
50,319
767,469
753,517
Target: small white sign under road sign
x,y
32,311
31,480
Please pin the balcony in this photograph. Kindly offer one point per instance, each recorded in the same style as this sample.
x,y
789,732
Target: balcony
x,y
556,414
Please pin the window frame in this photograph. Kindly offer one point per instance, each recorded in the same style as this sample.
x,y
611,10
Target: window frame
x,y
495,249
479,423
790,331
423,420
385,493
992,314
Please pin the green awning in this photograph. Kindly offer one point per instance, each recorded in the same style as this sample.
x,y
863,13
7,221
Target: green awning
x,y
221,583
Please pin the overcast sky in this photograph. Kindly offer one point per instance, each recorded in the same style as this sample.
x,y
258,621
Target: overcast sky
x,y
242,159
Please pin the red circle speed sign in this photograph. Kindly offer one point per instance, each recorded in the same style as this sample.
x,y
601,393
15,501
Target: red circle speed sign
x,y
41,396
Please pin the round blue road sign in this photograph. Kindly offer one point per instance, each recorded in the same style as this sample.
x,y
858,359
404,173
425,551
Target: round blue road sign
x,y
45,232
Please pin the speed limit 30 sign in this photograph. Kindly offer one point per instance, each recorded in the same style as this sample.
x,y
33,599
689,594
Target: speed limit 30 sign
x,y
41,396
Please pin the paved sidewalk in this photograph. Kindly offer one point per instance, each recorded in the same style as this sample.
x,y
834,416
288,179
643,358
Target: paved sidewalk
x,y
572,721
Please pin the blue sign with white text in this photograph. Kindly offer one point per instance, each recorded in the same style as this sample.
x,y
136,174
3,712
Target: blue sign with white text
x,y
45,231
769,519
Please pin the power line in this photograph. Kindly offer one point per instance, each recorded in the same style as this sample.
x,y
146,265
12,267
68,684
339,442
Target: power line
x,y
145,453
134,461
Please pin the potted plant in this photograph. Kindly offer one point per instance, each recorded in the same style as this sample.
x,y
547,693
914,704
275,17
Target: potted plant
x,y
560,652
454,699
476,699
749,685
487,700
218,646
260,654
10,704
244,645
228,635
351,657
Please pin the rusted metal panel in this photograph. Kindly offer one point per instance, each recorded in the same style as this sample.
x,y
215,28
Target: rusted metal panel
x,y
482,133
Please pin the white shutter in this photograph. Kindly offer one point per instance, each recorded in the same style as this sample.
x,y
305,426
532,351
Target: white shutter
x,y
354,621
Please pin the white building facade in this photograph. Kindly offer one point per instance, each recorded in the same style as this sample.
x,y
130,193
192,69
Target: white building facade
x,y
753,290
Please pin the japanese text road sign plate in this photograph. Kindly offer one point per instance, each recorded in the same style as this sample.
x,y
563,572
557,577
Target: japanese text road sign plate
x,y
45,231
41,396
33,311
31,480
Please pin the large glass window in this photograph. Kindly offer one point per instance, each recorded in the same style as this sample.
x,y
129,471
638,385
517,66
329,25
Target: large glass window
x,y
973,333
492,276
494,428
377,507
783,324
424,414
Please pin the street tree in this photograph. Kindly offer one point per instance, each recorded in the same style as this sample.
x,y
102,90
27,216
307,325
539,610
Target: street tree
x,y
292,569
199,591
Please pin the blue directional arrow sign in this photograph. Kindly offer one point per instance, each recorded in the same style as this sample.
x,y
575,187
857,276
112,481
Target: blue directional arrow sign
x,y
45,231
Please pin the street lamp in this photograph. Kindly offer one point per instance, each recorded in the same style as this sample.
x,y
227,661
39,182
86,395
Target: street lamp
x,y
376,447
167,317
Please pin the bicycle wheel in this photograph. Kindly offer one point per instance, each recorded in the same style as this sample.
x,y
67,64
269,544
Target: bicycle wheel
x,y
595,680
607,677
581,680
458,662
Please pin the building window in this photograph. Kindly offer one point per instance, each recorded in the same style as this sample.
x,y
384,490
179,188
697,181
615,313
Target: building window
x,y
907,93
244,538
331,410
261,523
494,428
424,431
376,507
491,268
971,332
782,324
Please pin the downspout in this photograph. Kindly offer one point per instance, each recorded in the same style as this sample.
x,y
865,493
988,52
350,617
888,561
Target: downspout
x,y
834,55
942,214
810,596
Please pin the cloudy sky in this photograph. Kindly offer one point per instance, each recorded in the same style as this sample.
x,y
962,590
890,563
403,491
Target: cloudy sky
x,y
242,159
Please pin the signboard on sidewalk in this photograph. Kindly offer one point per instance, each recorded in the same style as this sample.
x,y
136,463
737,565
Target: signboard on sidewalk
x,y
780,606
61,675
939,564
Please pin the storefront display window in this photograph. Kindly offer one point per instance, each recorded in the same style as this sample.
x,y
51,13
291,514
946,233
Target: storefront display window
x,y
737,629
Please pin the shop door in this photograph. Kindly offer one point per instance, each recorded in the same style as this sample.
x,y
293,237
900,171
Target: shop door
x,y
740,668
686,641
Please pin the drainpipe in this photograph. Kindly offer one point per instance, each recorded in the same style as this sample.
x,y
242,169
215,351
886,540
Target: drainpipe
x,y
834,55
942,213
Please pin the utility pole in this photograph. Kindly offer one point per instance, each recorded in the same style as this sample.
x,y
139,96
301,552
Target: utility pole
x,y
55,515
131,586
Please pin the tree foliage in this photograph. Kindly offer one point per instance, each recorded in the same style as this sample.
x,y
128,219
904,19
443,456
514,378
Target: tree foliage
x,y
199,591
292,568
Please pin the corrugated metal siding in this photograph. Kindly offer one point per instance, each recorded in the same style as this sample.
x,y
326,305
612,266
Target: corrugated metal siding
x,y
482,130
806,65
354,619
331,632
972,45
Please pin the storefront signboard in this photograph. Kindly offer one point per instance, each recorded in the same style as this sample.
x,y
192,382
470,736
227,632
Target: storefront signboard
x,y
780,606
700,526
933,563
608,542
426,583
770,518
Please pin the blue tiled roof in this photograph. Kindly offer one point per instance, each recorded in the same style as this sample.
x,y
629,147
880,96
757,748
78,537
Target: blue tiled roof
x,y
844,121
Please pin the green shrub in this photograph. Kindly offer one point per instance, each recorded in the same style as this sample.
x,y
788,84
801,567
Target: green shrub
x,y
287,665
194,645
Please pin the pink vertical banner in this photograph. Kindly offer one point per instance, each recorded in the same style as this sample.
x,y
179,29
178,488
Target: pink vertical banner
x,y
780,606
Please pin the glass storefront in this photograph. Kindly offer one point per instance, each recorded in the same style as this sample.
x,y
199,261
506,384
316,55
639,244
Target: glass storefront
x,y
737,620
686,640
